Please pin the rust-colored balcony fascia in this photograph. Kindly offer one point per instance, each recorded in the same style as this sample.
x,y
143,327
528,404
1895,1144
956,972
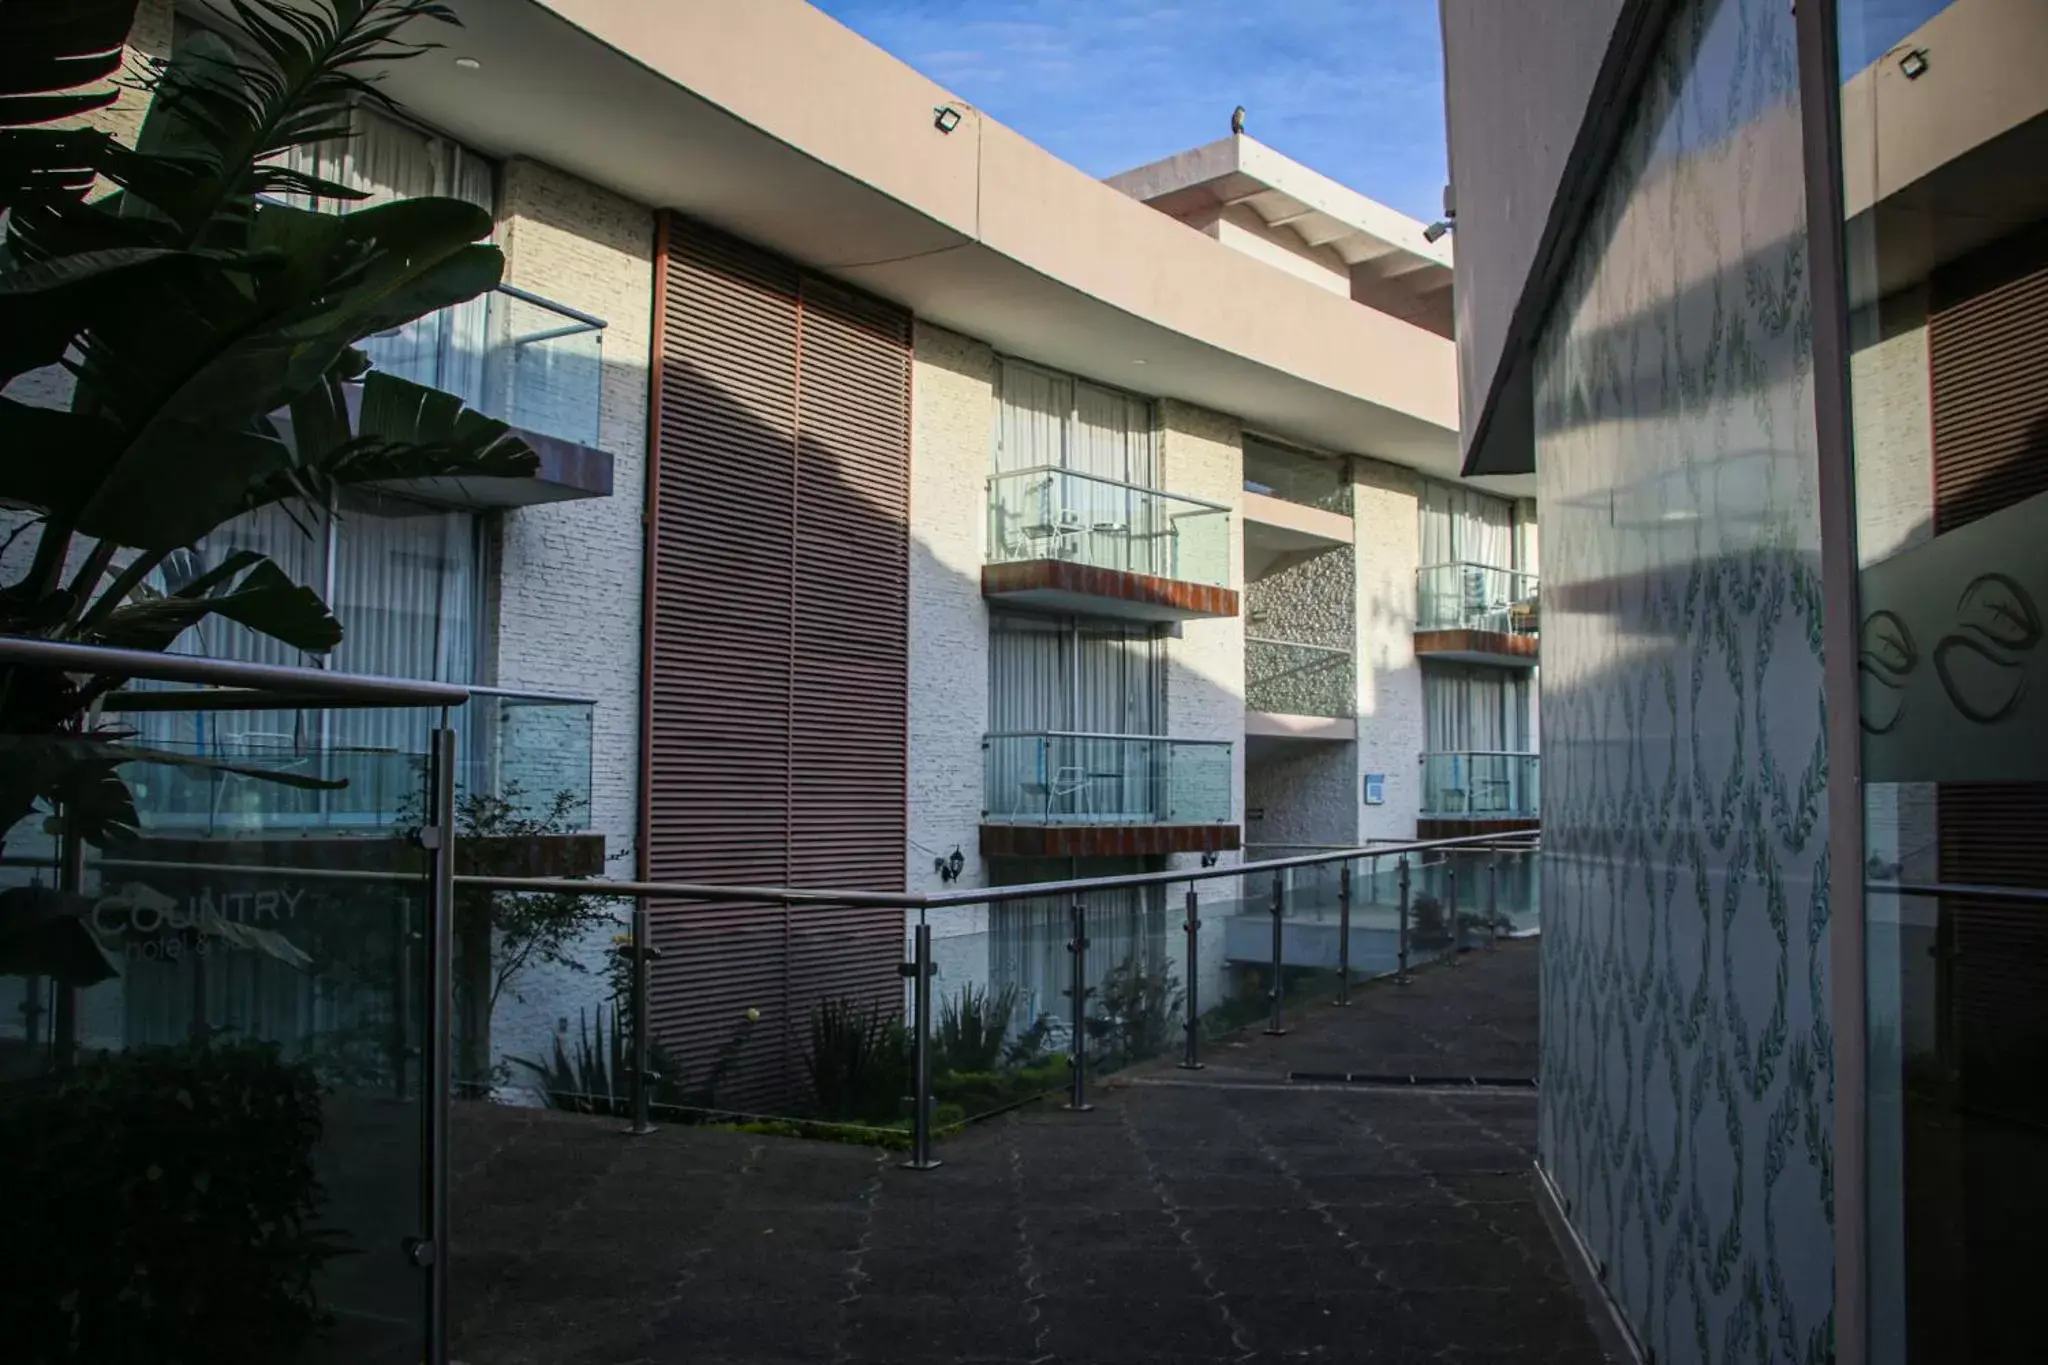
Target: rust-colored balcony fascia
x,y
1465,827
1106,841
1060,585
1477,646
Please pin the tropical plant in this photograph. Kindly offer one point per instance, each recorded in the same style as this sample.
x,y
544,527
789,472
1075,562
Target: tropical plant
x,y
971,1028
859,1060
171,1198
1135,1010
500,935
598,1078
206,332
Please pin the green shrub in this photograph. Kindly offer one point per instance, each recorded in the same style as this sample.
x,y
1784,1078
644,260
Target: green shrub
x,y
859,1061
161,1205
971,1028
980,1091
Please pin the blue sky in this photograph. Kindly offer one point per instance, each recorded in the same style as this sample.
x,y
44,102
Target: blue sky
x,y
1352,88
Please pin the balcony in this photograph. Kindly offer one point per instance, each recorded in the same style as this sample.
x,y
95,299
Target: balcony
x,y
525,761
1294,690
1489,786
1476,613
1061,540
528,361
1068,794
1295,508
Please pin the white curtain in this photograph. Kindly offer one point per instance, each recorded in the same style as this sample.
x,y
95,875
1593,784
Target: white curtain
x,y
1029,937
387,160
1465,525
1100,678
1031,420
1473,707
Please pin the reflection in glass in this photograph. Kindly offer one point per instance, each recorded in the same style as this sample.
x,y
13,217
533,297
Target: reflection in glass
x,y
1944,116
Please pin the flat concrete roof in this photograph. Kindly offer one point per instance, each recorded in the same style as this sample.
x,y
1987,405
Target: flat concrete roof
x,y
1385,249
774,122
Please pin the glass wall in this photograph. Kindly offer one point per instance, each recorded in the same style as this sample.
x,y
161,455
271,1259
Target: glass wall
x,y
1687,1101
1944,124
212,1069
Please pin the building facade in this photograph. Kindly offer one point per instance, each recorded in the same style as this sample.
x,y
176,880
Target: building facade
x,y
915,511
1757,294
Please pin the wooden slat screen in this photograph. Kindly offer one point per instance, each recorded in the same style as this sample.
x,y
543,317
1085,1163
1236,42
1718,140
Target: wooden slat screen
x,y
778,657
1988,363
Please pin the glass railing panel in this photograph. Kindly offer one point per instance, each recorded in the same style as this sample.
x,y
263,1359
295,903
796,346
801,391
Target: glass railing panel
x,y
356,770
1299,680
1482,783
544,369
1296,478
221,1059
1072,779
1465,596
532,754
1046,513
511,354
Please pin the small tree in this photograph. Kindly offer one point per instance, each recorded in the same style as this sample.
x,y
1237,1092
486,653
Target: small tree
x,y
501,935
208,333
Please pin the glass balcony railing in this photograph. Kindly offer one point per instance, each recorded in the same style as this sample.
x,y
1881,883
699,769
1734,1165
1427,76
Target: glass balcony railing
x,y
1054,778
334,770
1489,784
1296,478
1052,513
512,355
1298,680
1466,596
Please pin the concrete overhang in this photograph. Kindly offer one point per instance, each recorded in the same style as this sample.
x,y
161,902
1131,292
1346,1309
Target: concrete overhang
x,y
1270,725
772,121
1394,266
1279,534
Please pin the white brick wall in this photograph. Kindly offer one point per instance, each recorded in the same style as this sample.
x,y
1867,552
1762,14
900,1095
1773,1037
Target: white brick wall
x,y
568,580
1386,518
952,387
1202,456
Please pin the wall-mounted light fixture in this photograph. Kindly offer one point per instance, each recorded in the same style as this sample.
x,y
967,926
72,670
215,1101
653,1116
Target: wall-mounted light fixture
x,y
1436,231
945,118
950,867
1210,857
1914,64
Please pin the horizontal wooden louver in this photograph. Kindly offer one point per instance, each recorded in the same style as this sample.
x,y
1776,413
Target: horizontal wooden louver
x,y
1988,357
1988,363
778,649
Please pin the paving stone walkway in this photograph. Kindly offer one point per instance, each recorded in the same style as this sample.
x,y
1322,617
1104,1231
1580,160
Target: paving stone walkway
x,y
1226,1215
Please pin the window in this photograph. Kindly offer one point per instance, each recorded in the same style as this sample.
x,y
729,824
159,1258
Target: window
x,y
1049,420
1465,526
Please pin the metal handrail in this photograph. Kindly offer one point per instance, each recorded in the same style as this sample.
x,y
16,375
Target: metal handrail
x,y
1344,650
591,322
1106,481
1507,569
365,689
2019,895
1482,753
1091,734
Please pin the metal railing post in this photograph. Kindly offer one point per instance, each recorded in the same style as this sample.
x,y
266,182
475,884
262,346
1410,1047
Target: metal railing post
x,y
643,1042
437,1080
921,994
1493,898
1451,906
1077,990
1343,934
1276,1025
1191,1058
1401,970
